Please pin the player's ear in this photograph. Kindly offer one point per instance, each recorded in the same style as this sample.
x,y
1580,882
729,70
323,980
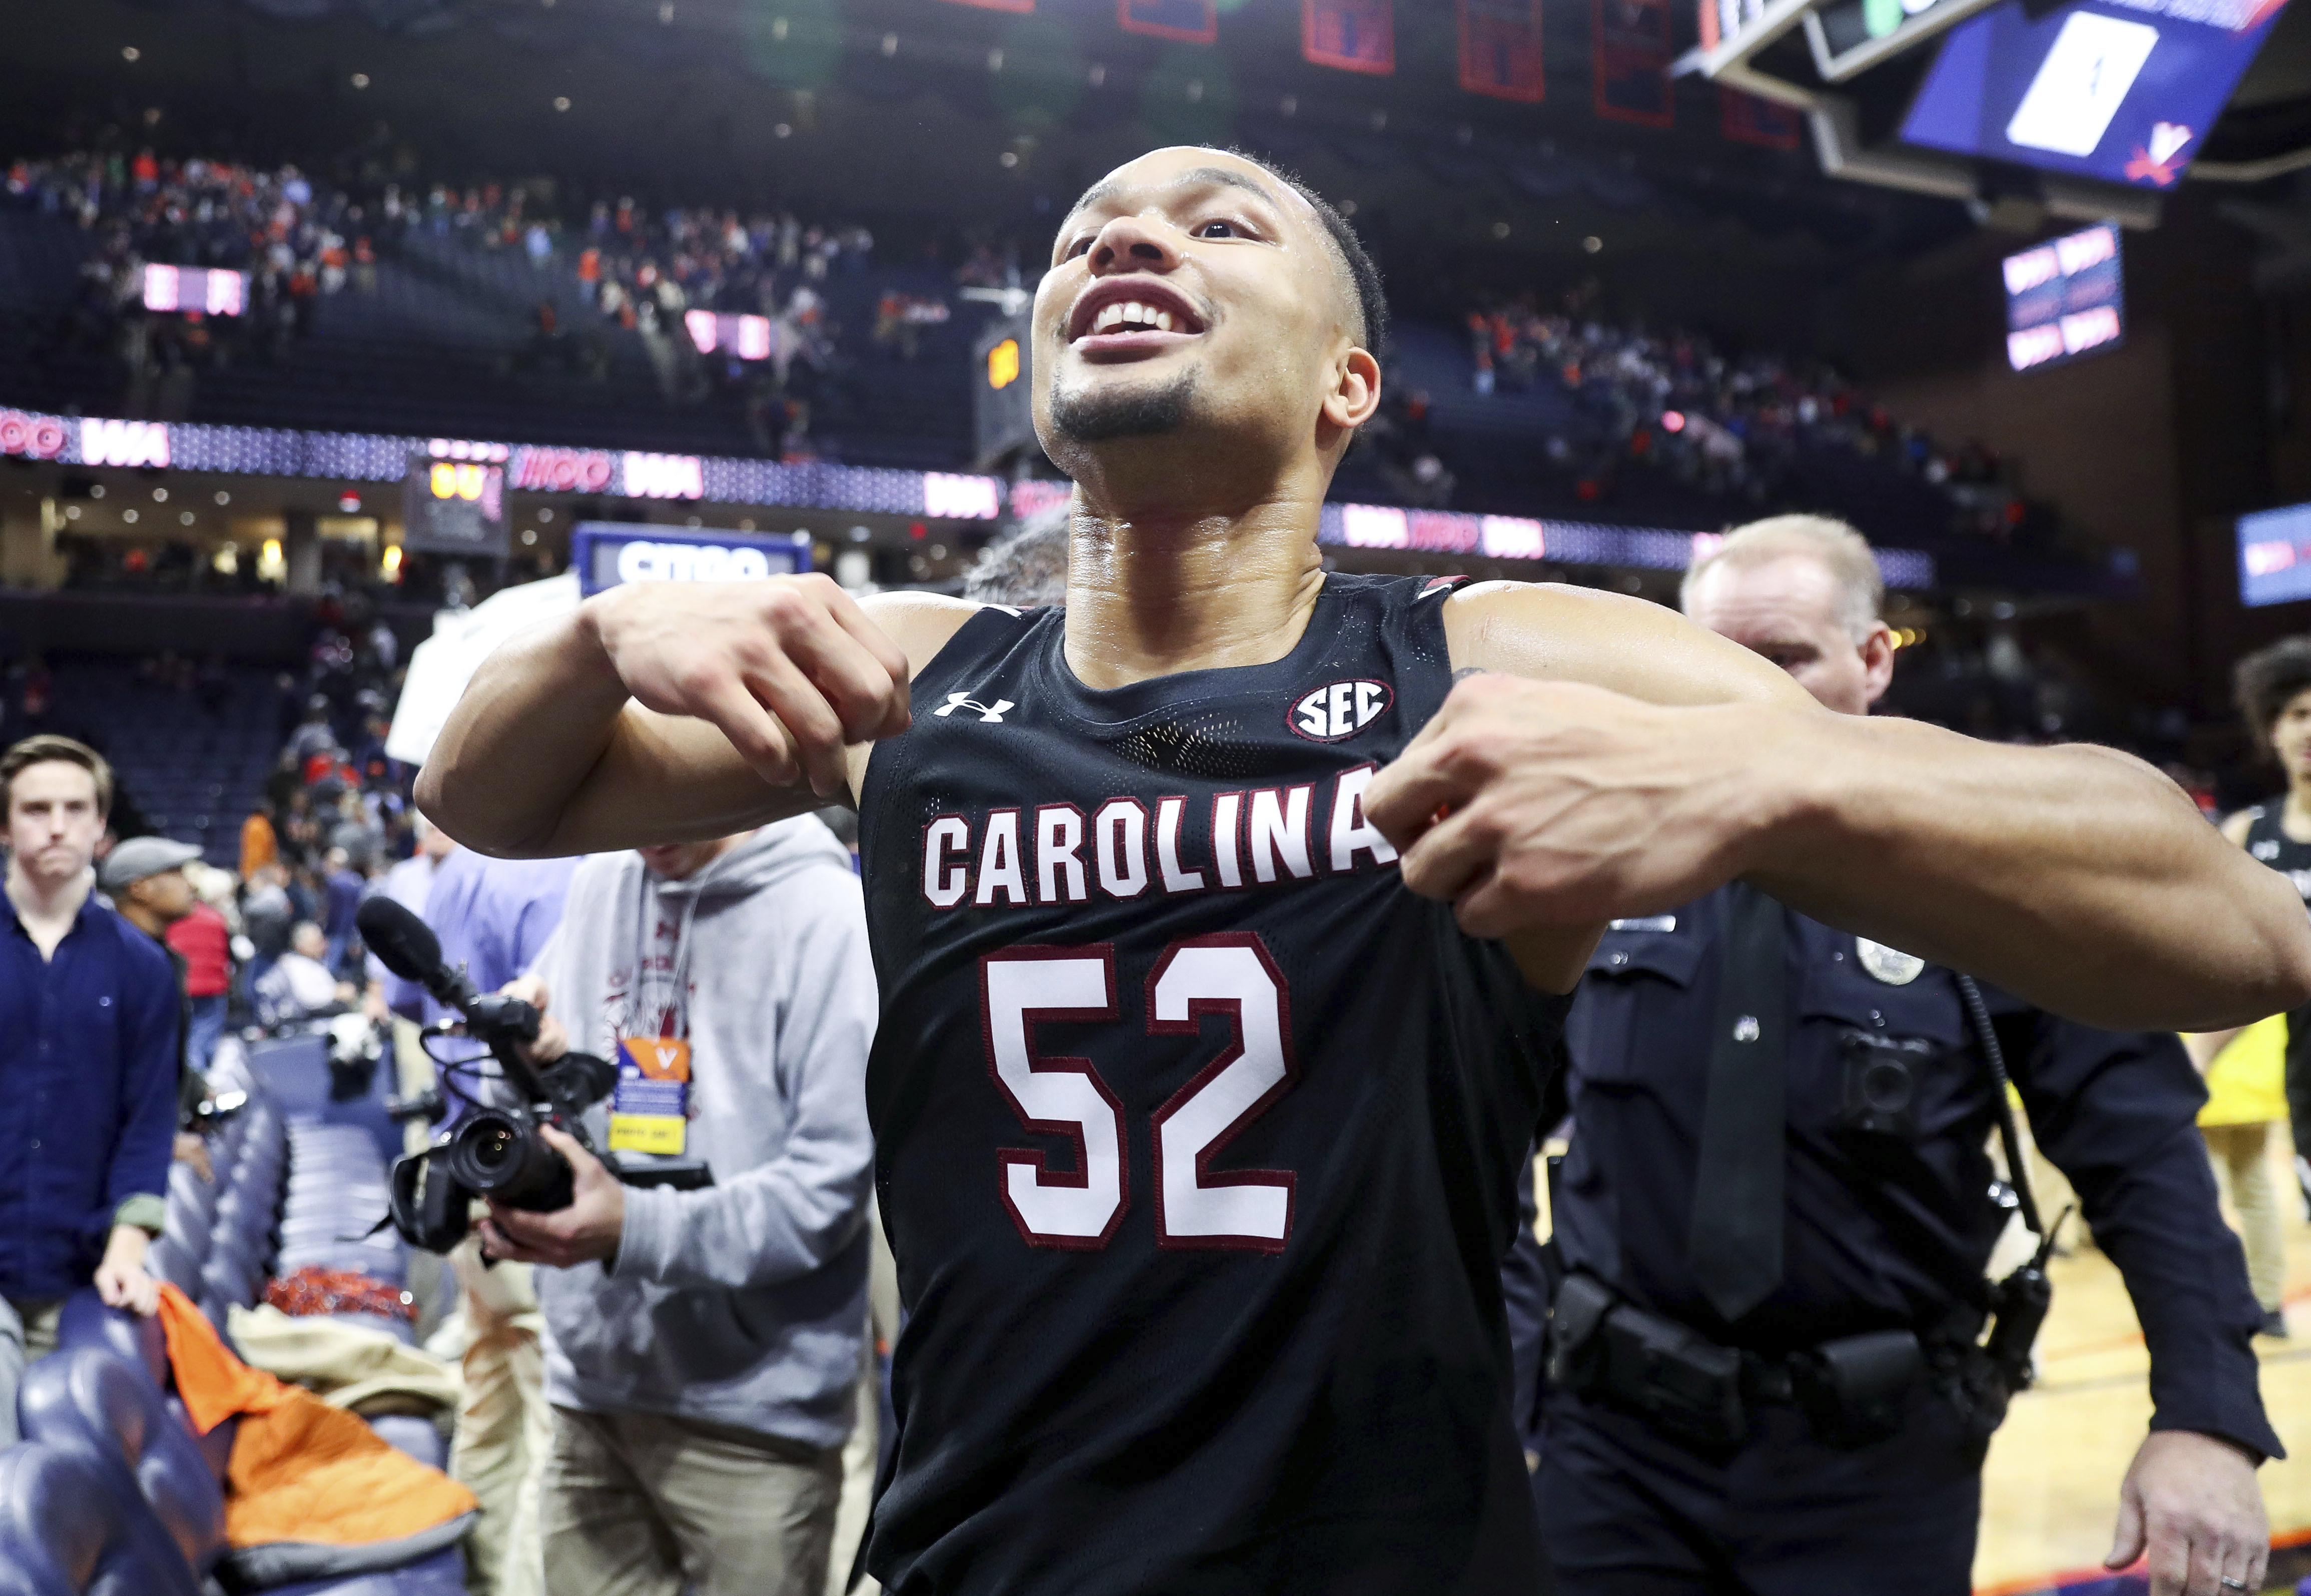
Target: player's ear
x,y
1878,661
1355,391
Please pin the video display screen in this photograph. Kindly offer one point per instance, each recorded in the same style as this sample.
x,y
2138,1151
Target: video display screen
x,y
191,288
746,336
2122,91
455,506
2274,554
2064,299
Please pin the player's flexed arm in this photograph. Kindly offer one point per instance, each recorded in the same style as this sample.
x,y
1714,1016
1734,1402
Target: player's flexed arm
x,y
1643,762
668,711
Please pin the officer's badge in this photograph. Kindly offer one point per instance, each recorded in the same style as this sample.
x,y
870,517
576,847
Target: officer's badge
x,y
1889,965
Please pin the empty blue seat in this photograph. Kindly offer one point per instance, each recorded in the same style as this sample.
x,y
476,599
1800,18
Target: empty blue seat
x,y
196,1196
90,1400
136,1340
235,1271
187,1231
63,1532
169,1262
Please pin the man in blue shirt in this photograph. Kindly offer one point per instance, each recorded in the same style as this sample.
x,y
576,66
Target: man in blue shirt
x,y
88,1064
493,917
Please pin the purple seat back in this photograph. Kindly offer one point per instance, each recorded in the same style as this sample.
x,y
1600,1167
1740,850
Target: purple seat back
x,y
90,1401
64,1534
137,1342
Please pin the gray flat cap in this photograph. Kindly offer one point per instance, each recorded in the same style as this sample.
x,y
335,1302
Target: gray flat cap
x,y
139,857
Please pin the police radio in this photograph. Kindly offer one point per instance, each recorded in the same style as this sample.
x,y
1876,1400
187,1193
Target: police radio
x,y
2003,1363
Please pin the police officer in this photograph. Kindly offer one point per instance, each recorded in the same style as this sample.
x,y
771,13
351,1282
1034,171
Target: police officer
x,y
1767,1366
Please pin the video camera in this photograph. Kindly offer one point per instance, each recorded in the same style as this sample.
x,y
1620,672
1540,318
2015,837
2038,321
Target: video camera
x,y
495,1152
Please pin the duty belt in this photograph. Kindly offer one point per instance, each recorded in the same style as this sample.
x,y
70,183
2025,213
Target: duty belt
x,y
1851,1388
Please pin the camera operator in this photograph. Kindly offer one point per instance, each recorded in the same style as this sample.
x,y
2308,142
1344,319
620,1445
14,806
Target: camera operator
x,y
703,1345
1767,1363
494,918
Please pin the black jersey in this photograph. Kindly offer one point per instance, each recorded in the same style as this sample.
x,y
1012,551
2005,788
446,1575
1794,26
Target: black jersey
x,y
1196,1133
2267,841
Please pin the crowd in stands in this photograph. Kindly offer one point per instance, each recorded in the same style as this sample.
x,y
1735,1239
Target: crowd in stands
x,y
296,241
299,241
609,273
1726,425
647,271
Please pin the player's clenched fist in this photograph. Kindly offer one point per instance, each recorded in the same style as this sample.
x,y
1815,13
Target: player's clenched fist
x,y
1533,804
790,669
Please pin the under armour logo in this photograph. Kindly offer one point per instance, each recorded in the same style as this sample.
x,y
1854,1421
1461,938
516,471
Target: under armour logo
x,y
963,701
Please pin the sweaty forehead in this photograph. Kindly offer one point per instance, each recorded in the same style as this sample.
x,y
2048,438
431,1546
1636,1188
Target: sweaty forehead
x,y
1166,172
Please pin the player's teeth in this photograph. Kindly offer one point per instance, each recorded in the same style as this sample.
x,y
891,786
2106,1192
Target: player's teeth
x,y
1131,313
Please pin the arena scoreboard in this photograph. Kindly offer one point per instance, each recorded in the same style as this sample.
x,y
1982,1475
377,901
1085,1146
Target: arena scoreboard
x,y
1002,413
453,501
2064,299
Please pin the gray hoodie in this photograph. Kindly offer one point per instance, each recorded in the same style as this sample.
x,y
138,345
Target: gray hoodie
x,y
743,1304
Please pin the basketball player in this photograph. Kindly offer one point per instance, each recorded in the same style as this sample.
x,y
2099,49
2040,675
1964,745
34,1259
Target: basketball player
x,y
1220,934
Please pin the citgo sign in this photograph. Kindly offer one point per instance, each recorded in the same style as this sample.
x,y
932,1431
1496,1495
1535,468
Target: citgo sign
x,y
607,555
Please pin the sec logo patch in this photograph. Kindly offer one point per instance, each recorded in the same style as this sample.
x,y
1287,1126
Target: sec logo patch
x,y
1339,709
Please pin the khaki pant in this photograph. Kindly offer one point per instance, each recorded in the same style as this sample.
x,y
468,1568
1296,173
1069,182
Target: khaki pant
x,y
504,1424
27,1333
413,1074
856,1500
862,1452
637,1504
2243,1165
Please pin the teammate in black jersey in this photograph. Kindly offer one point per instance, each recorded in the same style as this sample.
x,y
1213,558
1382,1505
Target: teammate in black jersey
x,y
2274,688
1198,1129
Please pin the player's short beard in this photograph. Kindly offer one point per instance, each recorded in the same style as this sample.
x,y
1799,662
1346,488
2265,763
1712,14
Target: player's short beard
x,y
1133,413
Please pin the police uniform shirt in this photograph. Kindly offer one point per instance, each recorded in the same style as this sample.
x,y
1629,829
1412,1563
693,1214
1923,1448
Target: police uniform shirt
x,y
1885,1230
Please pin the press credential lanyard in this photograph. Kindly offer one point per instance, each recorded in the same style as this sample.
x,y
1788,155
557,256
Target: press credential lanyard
x,y
649,1110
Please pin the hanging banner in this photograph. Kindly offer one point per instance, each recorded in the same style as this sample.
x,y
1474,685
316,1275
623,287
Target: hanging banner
x,y
1722,19
1500,50
1190,21
1755,121
1353,35
1633,51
